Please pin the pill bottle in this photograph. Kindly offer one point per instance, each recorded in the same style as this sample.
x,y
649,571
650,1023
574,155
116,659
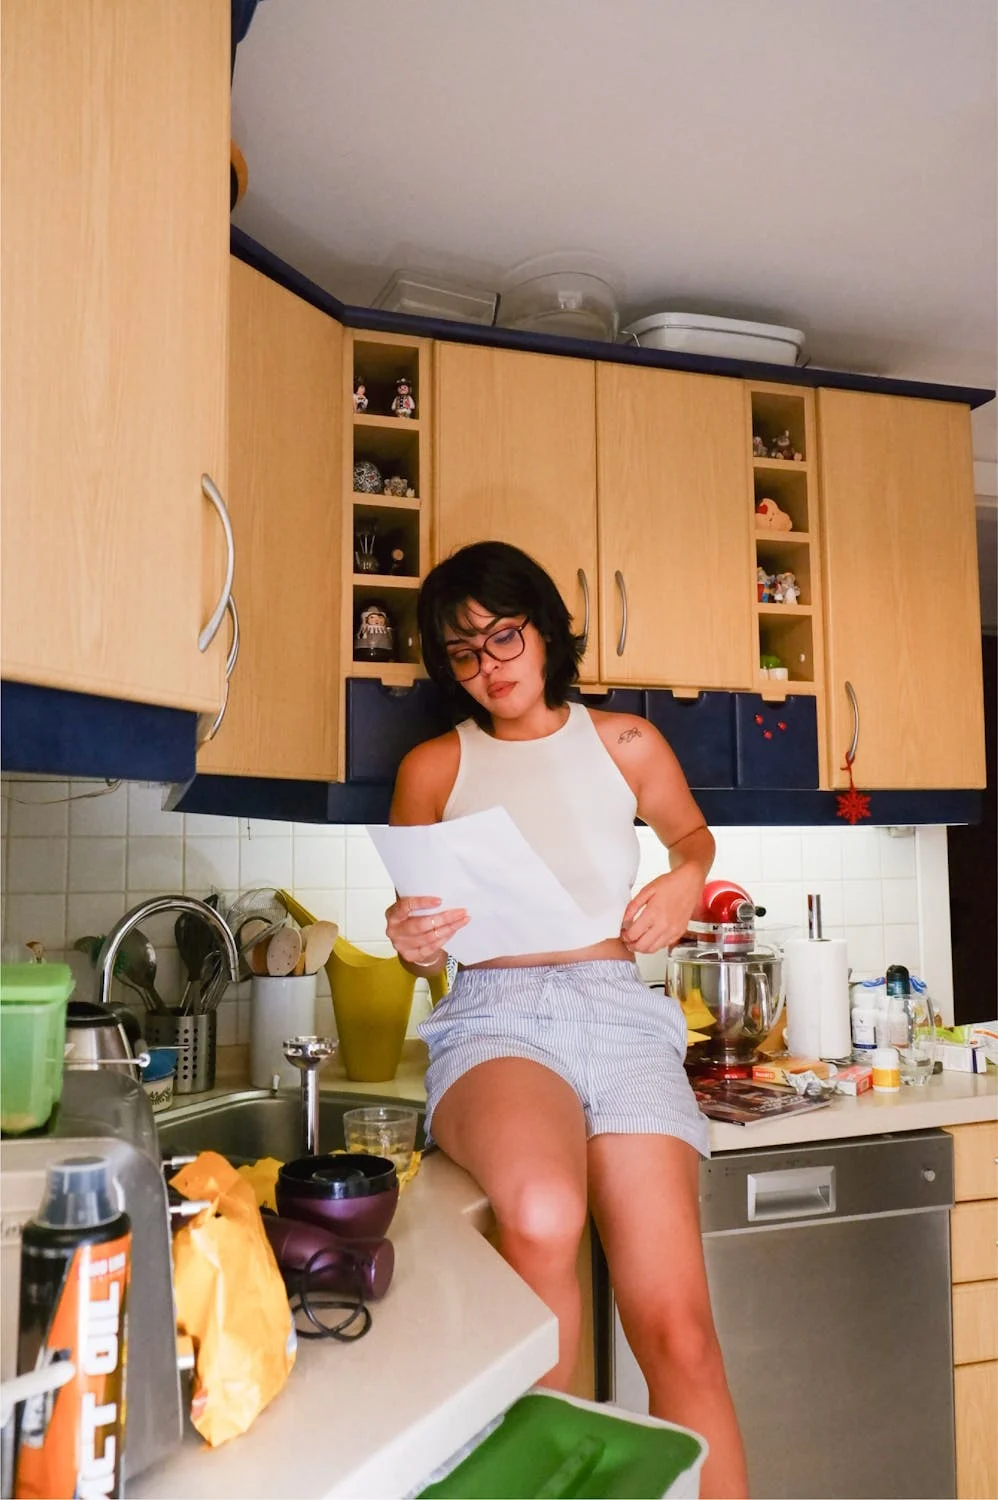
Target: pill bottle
x,y
886,1071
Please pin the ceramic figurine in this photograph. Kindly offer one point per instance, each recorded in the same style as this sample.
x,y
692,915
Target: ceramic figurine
x,y
367,478
374,639
404,404
397,486
769,517
359,396
764,586
787,589
784,448
758,448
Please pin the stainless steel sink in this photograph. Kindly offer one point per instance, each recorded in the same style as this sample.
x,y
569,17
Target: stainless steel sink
x,y
257,1122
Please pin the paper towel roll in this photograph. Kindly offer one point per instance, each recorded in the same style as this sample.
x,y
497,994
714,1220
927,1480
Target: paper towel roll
x,y
816,979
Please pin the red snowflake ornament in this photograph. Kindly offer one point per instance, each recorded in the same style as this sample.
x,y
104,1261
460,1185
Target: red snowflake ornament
x,y
853,805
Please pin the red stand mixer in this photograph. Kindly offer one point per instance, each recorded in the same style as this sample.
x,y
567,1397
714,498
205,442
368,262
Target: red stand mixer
x,y
720,965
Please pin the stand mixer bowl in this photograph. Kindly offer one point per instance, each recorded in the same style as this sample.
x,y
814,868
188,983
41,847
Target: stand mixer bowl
x,y
742,990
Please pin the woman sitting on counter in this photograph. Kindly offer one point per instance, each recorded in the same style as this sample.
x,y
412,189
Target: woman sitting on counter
x,y
556,1079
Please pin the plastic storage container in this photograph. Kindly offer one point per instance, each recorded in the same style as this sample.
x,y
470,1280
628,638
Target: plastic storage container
x,y
549,1444
425,294
542,296
33,1000
726,338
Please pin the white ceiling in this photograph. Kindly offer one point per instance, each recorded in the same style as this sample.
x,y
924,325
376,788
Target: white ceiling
x,y
831,164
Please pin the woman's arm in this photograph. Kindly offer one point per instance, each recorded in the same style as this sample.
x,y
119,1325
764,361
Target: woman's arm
x,y
658,914
422,786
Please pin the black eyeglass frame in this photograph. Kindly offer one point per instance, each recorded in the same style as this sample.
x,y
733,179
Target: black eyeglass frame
x,y
484,647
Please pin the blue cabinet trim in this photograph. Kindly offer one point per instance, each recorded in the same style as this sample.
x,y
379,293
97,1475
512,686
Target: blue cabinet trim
x,y
245,248
53,732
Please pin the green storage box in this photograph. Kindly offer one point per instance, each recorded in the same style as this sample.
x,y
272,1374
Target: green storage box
x,y
33,999
548,1445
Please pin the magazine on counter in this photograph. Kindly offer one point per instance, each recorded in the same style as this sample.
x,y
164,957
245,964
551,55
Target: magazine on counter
x,y
742,1101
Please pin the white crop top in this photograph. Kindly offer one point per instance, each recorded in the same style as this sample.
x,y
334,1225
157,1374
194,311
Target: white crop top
x,y
568,799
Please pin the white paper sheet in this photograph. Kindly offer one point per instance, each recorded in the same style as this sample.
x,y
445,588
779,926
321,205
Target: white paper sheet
x,y
484,865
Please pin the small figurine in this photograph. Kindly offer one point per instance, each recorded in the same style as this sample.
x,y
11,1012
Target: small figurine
x,y
374,639
784,448
758,448
367,478
404,404
764,586
769,517
359,396
397,486
787,589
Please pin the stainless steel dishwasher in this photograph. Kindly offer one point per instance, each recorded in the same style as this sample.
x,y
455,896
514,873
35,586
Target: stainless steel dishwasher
x,y
829,1271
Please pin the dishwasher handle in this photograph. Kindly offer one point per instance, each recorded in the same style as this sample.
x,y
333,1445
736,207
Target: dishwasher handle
x,y
794,1193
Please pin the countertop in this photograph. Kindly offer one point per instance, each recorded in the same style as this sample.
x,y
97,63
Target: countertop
x,y
459,1335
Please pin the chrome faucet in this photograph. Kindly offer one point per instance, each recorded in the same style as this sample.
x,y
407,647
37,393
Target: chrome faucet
x,y
104,961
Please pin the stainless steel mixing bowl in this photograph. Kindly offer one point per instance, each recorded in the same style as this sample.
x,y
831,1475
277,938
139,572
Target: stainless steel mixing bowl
x,y
742,991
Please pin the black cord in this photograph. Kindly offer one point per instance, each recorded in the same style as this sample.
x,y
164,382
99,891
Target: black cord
x,y
305,1301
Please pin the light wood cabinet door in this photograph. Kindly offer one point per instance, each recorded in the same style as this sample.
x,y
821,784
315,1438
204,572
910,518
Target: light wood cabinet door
x,y
976,1394
675,530
902,610
516,462
285,427
114,270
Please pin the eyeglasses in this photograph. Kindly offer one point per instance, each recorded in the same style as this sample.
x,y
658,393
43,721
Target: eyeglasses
x,y
502,645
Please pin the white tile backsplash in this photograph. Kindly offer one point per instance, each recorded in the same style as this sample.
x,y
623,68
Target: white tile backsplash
x,y
72,868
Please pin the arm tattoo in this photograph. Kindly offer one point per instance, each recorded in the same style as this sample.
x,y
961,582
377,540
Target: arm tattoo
x,y
628,734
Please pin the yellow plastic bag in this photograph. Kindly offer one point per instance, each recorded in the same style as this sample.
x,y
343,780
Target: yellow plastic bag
x,y
230,1301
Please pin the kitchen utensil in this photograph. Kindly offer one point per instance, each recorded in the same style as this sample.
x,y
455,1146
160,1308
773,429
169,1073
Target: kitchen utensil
x,y
387,1130
95,1038
134,965
283,952
195,940
353,1195
33,1000
307,1054
279,1008
91,946
354,1267
319,938
195,1038
723,967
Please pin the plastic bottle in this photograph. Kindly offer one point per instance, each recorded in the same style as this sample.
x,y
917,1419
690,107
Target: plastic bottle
x,y
75,1264
886,1071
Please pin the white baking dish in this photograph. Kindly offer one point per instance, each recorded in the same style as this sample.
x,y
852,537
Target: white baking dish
x,y
697,333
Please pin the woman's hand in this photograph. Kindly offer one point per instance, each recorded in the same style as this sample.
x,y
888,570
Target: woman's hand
x,y
658,915
422,940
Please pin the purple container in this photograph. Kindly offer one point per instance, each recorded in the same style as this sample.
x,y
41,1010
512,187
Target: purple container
x,y
352,1194
360,1267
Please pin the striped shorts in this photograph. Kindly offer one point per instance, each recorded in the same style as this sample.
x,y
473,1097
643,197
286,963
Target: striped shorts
x,y
617,1043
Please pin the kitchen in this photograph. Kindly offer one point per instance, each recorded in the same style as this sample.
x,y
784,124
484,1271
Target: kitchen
x,y
72,867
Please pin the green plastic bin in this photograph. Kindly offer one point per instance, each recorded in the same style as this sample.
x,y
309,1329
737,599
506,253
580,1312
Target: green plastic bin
x,y
548,1445
33,1000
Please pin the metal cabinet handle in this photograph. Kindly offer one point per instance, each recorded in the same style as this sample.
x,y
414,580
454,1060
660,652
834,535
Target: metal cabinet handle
x,y
230,662
618,579
211,492
851,695
583,580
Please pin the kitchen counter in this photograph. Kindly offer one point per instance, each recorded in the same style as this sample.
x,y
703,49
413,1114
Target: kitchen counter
x,y
460,1336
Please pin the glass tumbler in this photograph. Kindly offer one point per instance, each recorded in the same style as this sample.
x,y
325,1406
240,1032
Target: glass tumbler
x,y
387,1130
918,1052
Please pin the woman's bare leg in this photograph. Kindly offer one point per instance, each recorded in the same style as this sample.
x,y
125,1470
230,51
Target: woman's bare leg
x,y
646,1205
519,1130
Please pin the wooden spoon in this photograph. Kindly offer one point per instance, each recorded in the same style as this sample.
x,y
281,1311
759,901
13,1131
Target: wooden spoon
x,y
319,940
283,952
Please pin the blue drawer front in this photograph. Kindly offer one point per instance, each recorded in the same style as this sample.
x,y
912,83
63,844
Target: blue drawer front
x,y
777,743
701,732
615,701
383,725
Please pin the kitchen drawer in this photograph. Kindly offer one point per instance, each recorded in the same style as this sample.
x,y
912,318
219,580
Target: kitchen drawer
x,y
975,1322
776,744
614,701
976,1394
384,723
974,1241
701,732
975,1160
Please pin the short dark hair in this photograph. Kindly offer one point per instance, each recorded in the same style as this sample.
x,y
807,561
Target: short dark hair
x,y
506,582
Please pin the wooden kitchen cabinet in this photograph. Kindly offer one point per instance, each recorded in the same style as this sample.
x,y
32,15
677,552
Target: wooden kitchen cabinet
x,y
516,462
285,429
900,590
115,171
676,546
974,1249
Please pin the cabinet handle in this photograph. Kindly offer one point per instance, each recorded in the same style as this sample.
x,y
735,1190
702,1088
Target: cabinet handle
x,y
230,662
618,579
210,491
583,580
851,695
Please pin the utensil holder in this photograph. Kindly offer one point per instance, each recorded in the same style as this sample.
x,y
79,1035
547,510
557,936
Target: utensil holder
x,y
195,1040
279,1008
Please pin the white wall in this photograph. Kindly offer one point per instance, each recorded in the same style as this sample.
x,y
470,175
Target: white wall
x,y
72,863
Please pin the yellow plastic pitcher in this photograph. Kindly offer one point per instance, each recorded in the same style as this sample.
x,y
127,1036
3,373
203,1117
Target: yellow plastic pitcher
x,y
372,1000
